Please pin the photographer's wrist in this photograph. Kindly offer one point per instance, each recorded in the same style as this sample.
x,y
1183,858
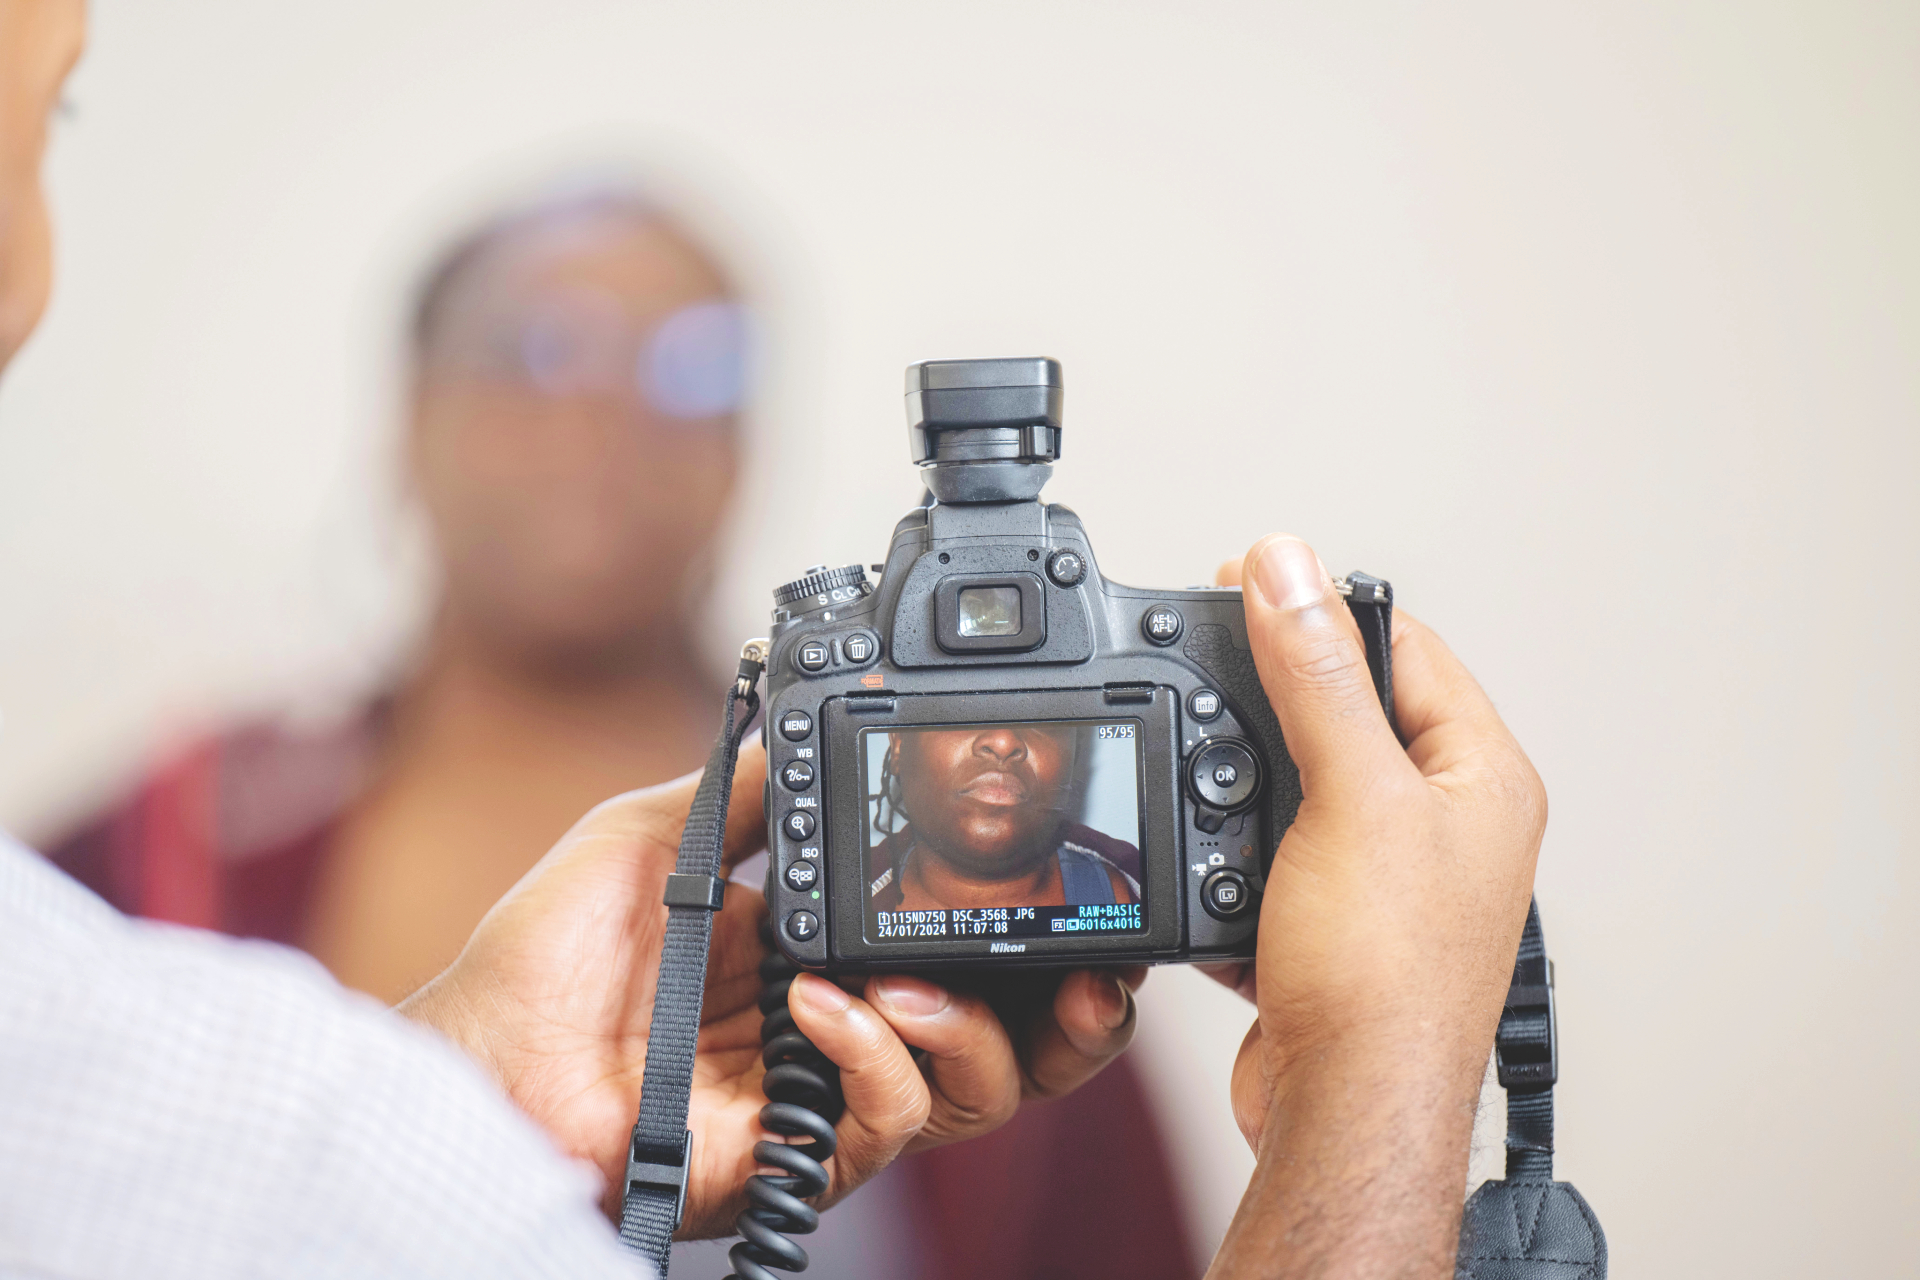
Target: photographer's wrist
x,y
442,1005
1360,1160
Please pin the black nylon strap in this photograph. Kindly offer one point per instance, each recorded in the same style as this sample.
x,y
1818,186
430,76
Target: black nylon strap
x,y
654,1198
1527,1056
1527,1226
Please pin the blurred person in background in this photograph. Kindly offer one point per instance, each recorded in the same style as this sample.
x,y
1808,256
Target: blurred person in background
x,y
578,366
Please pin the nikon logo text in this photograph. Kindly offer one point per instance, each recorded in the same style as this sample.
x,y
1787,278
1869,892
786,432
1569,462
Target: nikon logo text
x,y
999,947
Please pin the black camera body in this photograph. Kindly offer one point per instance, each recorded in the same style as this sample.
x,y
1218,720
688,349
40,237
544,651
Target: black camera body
x,y
994,755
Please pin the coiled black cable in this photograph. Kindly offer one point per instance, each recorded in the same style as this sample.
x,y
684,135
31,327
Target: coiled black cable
x,y
803,1088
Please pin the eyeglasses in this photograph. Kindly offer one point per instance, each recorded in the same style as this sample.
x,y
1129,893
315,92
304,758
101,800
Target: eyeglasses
x,y
691,365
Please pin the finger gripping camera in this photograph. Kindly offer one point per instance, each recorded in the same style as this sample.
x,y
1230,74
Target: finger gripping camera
x,y
994,755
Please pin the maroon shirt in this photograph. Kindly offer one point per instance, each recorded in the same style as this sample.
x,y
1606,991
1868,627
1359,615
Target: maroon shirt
x,y
231,833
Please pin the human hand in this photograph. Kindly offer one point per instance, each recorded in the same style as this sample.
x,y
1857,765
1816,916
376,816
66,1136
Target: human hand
x,y
554,993
1387,935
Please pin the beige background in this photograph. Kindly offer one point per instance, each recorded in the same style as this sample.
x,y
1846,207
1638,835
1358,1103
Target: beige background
x,y
1594,327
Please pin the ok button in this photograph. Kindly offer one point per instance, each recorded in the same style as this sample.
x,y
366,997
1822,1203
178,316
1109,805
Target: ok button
x,y
1223,774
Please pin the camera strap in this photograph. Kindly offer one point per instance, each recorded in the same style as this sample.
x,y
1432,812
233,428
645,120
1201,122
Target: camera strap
x,y
1526,1226
654,1197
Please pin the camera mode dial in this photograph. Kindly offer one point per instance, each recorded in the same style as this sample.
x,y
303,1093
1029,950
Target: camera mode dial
x,y
822,588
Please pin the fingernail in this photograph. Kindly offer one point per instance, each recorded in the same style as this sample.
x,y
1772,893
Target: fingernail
x,y
1289,575
911,997
1109,1002
819,995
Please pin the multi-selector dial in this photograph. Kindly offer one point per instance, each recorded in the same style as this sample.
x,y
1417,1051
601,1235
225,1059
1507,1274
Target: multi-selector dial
x,y
1223,776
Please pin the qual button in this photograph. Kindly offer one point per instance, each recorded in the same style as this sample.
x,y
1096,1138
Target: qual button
x,y
798,825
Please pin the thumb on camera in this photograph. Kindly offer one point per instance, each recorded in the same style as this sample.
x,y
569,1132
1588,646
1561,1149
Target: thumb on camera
x,y
1312,664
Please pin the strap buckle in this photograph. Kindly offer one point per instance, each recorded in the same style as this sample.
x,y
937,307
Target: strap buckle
x,y
656,1175
1527,1045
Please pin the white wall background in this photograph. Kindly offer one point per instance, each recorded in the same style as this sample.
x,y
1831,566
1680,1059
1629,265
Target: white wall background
x,y
1596,328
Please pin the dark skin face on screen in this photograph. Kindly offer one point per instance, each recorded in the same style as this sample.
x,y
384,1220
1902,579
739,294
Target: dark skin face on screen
x,y
984,804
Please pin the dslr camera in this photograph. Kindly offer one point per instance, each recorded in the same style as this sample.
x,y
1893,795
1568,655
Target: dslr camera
x,y
995,755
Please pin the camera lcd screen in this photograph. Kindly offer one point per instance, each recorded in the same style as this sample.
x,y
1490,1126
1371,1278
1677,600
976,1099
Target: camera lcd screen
x,y
1024,829
989,611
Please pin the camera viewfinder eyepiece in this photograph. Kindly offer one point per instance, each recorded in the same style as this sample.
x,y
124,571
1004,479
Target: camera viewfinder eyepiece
x,y
984,430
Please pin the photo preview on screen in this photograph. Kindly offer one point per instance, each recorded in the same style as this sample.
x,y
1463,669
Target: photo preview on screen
x,y
1010,829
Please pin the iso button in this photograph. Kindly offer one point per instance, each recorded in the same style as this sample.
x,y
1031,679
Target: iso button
x,y
1226,895
797,775
802,876
1162,624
